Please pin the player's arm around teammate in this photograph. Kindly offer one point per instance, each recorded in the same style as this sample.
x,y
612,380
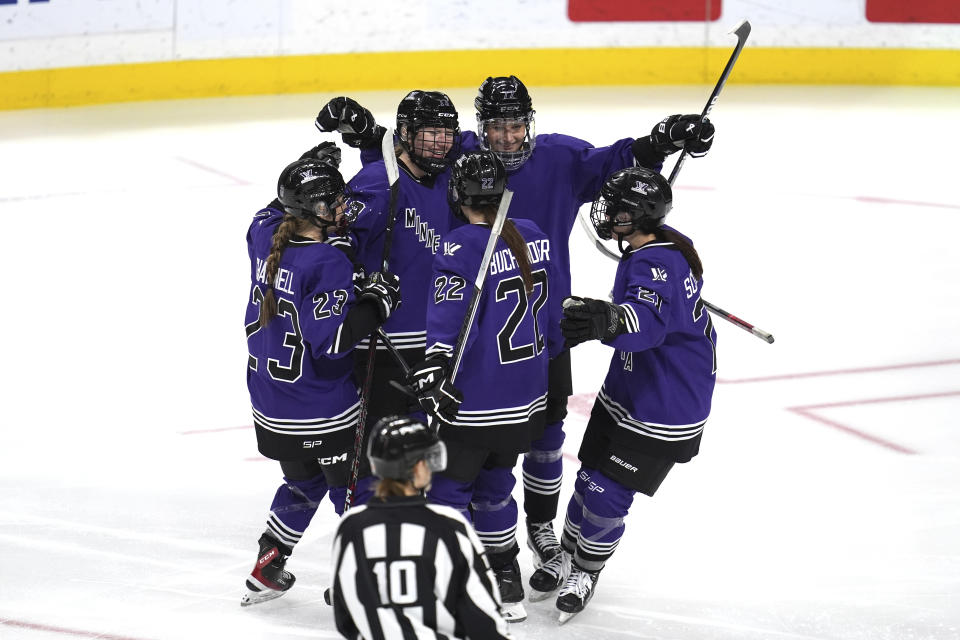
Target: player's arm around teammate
x,y
304,315
406,568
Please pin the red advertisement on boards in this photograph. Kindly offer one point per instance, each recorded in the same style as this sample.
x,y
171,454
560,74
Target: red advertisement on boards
x,y
932,11
643,10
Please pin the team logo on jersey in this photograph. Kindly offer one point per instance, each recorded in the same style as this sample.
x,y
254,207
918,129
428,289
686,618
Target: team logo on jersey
x,y
355,207
659,275
449,248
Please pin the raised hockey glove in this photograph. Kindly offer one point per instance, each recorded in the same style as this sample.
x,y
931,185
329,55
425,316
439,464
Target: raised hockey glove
x,y
588,319
435,393
383,288
354,122
326,152
682,132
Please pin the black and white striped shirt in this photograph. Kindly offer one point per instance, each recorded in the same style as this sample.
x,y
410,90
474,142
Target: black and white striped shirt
x,y
406,569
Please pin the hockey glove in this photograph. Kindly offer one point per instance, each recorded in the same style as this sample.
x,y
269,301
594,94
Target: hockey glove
x,y
682,132
383,288
588,319
353,121
326,152
435,393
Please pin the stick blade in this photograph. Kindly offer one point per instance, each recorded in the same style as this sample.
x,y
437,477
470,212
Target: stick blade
x,y
742,30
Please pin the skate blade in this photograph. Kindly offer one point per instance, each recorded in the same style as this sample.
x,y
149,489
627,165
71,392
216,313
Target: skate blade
x,y
566,615
537,596
514,612
256,597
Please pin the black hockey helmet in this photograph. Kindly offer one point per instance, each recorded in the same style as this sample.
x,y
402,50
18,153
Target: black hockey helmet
x,y
428,110
643,194
477,178
398,443
311,189
500,101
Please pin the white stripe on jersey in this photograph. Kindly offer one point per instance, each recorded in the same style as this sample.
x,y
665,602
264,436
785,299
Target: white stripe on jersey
x,y
650,429
348,587
375,541
401,340
308,426
411,539
630,318
496,417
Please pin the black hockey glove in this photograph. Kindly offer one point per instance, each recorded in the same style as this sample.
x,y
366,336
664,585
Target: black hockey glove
x,y
383,288
431,384
353,121
682,132
326,152
588,319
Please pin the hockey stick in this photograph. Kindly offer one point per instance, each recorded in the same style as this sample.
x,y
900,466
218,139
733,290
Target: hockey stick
x,y
461,345
393,178
713,309
742,31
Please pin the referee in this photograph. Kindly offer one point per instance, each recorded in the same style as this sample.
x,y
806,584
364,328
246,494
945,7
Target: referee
x,y
405,569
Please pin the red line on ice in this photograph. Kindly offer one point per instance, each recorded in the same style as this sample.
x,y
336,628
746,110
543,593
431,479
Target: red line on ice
x,y
807,411
840,372
70,632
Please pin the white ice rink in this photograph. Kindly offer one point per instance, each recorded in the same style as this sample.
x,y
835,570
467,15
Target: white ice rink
x,y
825,504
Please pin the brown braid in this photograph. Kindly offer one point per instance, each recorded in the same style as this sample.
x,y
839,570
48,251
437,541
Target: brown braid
x,y
515,242
684,247
286,230
390,487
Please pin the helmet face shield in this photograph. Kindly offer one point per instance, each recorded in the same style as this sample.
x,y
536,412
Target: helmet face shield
x,y
436,457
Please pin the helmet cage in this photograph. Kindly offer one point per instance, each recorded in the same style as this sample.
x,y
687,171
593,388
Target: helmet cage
x,y
419,112
512,160
312,190
643,194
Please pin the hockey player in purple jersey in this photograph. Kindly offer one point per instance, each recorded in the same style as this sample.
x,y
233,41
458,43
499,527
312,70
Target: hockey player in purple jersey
x,y
656,397
428,136
304,315
551,176
498,403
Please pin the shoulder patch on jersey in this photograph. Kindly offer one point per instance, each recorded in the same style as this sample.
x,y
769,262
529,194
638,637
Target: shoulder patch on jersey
x,y
659,274
449,248
355,207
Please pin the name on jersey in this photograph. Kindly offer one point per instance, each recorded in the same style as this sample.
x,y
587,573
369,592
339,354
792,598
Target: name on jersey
x,y
283,281
503,260
425,233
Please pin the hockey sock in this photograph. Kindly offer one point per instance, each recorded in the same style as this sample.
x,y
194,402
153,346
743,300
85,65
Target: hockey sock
x,y
293,507
494,509
605,506
543,475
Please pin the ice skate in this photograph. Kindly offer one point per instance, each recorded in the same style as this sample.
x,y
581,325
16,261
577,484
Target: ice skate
x,y
542,541
511,592
576,593
269,579
549,576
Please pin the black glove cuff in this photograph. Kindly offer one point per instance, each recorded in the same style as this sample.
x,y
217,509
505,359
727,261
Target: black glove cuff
x,y
646,155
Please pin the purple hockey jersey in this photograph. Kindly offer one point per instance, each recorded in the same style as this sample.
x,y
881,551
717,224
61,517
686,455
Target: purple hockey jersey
x,y
660,382
562,174
423,219
503,372
305,403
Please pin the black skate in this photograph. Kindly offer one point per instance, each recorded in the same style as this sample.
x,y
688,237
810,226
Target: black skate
x,y
269,579
542,541
576,592
511,592
550,576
